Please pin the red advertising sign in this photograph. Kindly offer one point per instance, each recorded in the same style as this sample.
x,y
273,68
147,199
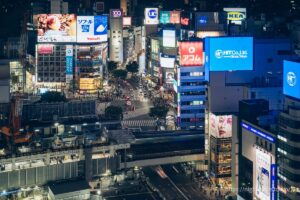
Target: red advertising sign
x,y
45,49
175,17
191,53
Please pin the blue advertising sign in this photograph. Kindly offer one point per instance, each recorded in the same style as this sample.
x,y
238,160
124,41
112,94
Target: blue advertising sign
x,y
229,53
291,79
273,182
258,132
69,65
92,29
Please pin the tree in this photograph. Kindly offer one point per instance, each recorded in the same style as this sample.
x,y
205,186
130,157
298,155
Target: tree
x,y
114,113
53,96
132,67
111,66
120,73
159,111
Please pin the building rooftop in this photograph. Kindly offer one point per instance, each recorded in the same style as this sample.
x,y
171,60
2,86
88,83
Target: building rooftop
x,y
68,186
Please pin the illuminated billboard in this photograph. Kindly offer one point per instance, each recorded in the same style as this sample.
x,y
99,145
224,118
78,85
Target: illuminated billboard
x,y
169,38
175,17
291,79
229,53
151,16
167,61
220,126
56,27
69,60
185,21
91,29
262,175
235,15
154,46
204,34
164,17
116,13
191,53
126,21
88,83
169,77
44,49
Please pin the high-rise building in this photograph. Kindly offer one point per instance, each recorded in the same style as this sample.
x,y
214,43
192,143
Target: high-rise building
x,y
289,134
116,35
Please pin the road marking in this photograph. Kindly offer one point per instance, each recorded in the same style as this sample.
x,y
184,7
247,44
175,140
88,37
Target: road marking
x,y
175,169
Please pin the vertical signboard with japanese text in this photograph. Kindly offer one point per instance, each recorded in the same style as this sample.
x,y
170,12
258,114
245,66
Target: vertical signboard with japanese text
x,y
191,53
69,60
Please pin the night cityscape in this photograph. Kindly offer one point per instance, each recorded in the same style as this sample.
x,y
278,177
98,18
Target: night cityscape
x,y
149,100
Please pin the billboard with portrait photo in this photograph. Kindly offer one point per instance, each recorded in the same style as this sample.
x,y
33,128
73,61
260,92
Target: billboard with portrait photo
x,y
169,77
54,28
220,126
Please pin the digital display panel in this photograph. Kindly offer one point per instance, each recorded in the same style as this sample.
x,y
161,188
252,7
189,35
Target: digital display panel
x,y
56,28
169,38
291,79
91,29
220,126
191,53
262,175
229,53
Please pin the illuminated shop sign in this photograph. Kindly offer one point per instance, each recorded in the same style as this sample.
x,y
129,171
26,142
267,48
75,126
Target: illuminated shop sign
x,y
258,132
273,182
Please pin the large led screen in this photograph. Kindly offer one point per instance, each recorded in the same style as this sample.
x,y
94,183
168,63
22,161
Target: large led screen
x,y
291,79
91,29
262,175
56,27
229,53
220,126
191,53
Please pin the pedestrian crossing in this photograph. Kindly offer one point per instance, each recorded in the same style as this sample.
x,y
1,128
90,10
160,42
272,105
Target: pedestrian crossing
x,y
139,123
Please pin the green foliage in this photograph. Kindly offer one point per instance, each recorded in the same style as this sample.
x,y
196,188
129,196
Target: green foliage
x,y
111,66
53,96
132,67
158,111
114,113
120,73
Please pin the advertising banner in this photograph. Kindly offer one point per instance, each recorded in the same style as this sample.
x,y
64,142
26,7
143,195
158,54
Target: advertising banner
x,y
191,53
230,53
45,49
262,175
185,21
175,17
91,29
169,38
56,27
69,60
220,126
167,61
291,79
235,15
169,77
164,17
126,21
204,34
151,16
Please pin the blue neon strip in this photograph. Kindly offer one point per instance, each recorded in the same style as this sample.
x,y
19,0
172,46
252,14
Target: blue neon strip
x,y
273,182
258,132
